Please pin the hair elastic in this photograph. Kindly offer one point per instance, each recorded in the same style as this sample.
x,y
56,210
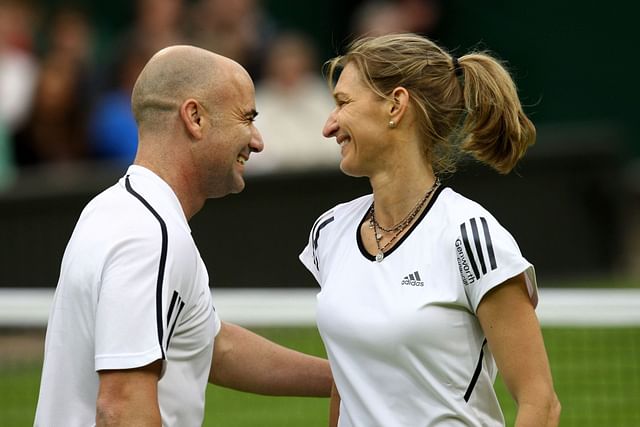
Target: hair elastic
x,y
456,67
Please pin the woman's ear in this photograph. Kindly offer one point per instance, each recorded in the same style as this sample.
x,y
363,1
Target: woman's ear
x,y
399,104
191,113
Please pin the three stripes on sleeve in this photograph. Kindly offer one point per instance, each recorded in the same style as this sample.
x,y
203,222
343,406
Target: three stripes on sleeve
x,y
474,249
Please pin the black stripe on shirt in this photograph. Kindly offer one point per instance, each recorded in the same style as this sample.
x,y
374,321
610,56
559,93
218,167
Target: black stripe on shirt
x,y
476,239
174,322
316,235
467,247
175,299
161,266
171,305
487,237
476,373
320,219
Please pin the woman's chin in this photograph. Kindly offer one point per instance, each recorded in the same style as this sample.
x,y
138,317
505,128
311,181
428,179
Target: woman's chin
x,y
349,169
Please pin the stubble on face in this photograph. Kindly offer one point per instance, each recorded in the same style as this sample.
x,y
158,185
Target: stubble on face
x,y
229,134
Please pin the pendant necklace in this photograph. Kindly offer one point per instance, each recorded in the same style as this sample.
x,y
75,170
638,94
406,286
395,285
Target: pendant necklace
x,y
399,227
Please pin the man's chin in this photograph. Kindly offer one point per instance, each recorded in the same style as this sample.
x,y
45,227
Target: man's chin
x,y
235,189
238,186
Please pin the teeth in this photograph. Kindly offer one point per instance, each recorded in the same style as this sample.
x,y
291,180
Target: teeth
x,y
241,160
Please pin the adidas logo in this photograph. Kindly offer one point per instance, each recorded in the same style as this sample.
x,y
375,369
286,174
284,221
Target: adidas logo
x,y
412,279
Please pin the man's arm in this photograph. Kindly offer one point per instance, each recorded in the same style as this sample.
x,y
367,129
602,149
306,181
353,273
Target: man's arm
x,y
247,362
129,397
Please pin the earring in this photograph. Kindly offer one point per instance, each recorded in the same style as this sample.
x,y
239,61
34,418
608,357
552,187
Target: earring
x,y
392,124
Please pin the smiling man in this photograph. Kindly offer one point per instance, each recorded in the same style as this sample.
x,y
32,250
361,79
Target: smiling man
x,y
133,336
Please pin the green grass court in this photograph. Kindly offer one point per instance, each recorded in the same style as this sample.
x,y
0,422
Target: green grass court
x,y
596,373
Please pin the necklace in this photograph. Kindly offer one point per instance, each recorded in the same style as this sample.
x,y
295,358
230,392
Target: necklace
x,y
399,227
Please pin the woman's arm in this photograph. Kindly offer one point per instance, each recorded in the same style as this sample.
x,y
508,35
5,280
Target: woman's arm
x,y
334,407
513,334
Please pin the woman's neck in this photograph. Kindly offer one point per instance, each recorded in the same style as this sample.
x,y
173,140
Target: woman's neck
x,y
397,194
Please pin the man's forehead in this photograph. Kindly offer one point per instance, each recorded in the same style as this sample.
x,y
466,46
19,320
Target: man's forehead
x,y
232,83
242,101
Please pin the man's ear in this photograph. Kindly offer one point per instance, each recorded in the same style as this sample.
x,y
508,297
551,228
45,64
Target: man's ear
x,y
400,103
191,113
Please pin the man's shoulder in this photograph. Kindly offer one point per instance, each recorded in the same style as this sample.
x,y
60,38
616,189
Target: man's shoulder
x,y
112,199
116,209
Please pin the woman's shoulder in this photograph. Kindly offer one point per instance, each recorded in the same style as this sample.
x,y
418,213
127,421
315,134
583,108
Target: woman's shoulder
x,y
458,206
349,208
356,204
459,215
343,215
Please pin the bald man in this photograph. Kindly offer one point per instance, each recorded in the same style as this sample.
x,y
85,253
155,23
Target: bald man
x,y
133,336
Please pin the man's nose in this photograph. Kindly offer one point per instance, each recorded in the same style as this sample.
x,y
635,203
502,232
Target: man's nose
x,y
256,144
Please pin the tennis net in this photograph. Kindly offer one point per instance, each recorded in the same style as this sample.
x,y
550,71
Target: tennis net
x,y
592,338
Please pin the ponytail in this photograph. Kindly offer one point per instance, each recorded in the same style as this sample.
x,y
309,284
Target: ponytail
x,y
469,104
495,130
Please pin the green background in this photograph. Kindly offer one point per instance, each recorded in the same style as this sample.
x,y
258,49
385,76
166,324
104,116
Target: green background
x,y
596,373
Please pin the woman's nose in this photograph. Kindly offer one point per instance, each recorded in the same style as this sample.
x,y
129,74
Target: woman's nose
x,y
331,125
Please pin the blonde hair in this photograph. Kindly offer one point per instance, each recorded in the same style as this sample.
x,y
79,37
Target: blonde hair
x,y
473,108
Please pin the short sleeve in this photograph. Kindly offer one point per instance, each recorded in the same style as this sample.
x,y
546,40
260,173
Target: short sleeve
x,y
487,255
128,320
311,255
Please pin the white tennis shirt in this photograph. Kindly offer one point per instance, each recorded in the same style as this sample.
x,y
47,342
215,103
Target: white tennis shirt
x,y
402,337
132,289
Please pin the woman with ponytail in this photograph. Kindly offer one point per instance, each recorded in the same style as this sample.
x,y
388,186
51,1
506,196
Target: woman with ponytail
x,y
424,295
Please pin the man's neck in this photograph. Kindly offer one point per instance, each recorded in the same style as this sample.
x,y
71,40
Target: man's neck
x,y
180,182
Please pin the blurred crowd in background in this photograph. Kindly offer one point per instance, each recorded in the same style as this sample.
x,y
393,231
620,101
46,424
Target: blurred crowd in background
x,y
67,68
64,93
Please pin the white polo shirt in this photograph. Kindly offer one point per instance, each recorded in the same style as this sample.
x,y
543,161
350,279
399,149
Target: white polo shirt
x,y
132,289
402,336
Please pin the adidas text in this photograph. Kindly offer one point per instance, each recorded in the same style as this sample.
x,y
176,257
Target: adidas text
x,y
412,280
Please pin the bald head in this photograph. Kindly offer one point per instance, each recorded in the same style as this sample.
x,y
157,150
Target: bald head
x,y
175,74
